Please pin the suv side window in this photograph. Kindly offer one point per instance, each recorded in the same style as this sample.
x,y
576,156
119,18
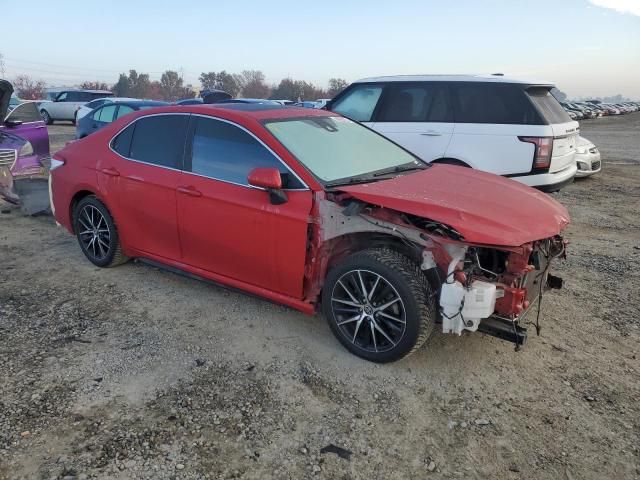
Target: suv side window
x,y
359,102
63,97
159,140
499,103
26,113
416,102
223,151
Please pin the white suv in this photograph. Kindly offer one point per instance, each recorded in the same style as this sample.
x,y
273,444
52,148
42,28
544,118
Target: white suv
x,y
509,127
67,102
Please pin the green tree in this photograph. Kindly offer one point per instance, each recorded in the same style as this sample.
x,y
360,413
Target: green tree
x,y
228,82
253,84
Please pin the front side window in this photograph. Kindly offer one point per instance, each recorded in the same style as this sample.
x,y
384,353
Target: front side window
x,y
225,152
358,103
26,113
62,97
159,140
105,114
335,148
422,102
123,110
500,103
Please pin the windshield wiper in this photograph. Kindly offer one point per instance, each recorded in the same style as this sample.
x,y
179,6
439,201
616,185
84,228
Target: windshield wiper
x,y
400,168
351,181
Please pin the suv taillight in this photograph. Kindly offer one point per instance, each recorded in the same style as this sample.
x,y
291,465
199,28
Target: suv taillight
x,y
542,152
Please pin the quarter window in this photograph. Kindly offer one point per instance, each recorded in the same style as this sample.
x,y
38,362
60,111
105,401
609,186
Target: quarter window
x,y
500,103
359,103
225,152
159,140
423,102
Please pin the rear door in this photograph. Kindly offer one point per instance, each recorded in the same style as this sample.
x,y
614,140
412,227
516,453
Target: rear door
x,y
417,116
230,228
489,119
565,131
140,177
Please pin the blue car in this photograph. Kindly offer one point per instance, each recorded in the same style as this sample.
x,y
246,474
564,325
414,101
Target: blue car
x,y
104,115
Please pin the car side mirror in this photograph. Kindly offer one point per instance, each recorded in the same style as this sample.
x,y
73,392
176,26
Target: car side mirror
x,y
270,180
13,123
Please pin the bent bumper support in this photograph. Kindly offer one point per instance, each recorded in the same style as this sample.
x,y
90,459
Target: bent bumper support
x,y
504,330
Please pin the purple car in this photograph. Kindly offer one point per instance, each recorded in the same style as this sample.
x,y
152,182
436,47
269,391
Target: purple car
x,y
24,145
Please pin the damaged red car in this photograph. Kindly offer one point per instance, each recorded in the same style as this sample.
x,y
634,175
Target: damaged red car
x,y
311,210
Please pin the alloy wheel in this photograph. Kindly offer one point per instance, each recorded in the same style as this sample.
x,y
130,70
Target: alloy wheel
x,y
95,235
368,310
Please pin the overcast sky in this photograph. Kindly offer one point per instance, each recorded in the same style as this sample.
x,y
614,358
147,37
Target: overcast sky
x,y
588,47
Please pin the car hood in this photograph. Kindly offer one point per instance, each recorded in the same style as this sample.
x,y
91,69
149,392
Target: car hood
x,y
6,89
484,208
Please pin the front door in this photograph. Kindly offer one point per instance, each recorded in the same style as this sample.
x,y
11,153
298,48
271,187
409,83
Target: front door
x,y
417,116
230,228
32,127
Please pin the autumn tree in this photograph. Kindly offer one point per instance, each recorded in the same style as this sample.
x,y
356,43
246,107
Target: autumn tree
x,y
289,89
336,85
253,84
28,88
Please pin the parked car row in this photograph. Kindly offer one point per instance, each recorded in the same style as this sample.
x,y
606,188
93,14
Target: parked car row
x,y
593,109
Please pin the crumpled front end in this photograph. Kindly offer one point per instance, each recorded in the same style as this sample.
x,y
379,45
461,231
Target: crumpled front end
x,y
496,291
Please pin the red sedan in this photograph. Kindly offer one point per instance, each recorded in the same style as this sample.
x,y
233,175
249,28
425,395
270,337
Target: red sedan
x,y
310,209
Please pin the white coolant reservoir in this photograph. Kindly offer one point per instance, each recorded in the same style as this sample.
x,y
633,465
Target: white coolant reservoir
x,y
479,303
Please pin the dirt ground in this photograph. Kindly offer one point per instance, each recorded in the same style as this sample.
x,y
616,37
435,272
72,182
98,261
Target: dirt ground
x,y
134,372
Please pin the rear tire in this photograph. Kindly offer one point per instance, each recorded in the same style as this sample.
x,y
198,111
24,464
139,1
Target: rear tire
x,y
379,305
46,117
97,233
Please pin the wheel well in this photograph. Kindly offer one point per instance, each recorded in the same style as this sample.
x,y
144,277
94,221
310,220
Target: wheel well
x,y
74,202
452,161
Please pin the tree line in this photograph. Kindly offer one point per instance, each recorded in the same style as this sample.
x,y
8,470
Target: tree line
x,y
171,86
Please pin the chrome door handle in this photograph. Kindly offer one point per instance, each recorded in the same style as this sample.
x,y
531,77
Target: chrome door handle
x,y
189,191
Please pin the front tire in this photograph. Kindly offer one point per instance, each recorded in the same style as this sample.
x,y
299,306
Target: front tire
x,y
97,233
379,305
46,117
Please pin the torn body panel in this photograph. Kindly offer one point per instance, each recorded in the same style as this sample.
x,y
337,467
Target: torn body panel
x,y
474,282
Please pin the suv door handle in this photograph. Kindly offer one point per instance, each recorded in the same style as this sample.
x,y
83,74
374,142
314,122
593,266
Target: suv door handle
x,y
431,133
189,191
112,172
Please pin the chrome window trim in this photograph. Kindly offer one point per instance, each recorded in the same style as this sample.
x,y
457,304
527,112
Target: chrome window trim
x,y
306,187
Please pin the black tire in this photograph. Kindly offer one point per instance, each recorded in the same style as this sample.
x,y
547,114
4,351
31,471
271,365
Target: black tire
x,y
46,117
403,278
97,233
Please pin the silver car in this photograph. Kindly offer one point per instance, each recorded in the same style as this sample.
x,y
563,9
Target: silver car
x,y
66,104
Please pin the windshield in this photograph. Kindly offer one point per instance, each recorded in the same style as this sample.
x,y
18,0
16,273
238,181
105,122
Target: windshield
x,y
335,148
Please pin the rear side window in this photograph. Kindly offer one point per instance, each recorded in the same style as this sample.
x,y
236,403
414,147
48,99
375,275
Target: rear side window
x,y
359,102
225,152
500,103
421,102
105,114
159,140
123,110
26,113
547,105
